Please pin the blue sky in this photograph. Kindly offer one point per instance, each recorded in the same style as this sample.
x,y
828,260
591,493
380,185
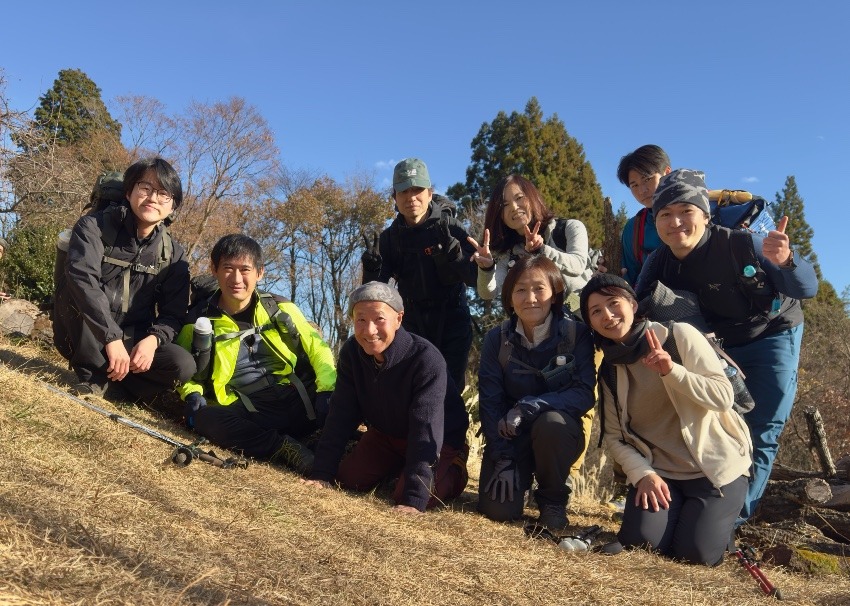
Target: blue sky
x,y
749,92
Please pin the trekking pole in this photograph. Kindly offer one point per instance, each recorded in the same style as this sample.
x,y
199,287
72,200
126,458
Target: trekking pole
x,y
183,453
747,558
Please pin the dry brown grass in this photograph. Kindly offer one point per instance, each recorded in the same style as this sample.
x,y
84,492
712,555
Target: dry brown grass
x,y
94,513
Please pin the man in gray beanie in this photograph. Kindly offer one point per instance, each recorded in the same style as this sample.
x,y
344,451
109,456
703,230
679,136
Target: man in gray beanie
x,y
749,289
396,382
681,186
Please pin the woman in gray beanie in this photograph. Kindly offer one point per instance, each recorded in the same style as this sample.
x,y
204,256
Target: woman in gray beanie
x,y
670,427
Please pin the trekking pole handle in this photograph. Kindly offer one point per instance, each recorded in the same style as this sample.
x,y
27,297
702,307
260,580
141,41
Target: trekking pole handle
x,y
758,574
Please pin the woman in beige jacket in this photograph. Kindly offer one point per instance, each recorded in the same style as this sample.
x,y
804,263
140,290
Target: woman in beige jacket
x,y
670,426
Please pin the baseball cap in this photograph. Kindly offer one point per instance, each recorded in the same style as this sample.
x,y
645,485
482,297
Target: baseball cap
x,y
410,172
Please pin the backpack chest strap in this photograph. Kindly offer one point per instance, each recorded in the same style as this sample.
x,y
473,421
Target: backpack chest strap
x,y
293,378
125,277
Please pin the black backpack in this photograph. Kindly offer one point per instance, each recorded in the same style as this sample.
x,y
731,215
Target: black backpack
x,y
558,237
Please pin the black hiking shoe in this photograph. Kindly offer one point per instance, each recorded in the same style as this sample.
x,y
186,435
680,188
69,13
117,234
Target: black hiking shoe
x,y
553,516
295,455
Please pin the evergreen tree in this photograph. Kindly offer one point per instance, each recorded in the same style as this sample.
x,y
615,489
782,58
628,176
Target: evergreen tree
x,y
542,151
790,204
72,110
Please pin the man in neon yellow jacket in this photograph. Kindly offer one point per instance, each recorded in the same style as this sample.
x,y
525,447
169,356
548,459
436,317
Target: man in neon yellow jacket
x,y
267,373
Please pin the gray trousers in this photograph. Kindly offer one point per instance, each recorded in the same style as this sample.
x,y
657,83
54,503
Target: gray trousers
x,y
697,526
546,452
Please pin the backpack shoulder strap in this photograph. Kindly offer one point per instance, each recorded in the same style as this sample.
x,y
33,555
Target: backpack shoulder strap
x,y
607,375
568,343
638,235
109,230
288,332
670,345
558,236
166,250
505,346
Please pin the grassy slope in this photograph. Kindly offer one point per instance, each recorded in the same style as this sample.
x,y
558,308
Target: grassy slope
x,y
94,513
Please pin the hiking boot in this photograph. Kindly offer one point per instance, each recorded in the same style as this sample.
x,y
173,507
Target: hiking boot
x,y
612,548
87,388
553,516
295,455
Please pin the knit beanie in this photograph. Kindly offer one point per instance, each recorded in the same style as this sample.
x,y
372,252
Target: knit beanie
x,y
597,283
375,291
681,186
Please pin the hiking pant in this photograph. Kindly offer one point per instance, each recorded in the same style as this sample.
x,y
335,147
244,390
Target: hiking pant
x,y
697,526
171,363
770,364
449,329
280,411
546,452
378,456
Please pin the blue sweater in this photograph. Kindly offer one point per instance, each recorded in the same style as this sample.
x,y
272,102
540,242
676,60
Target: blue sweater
x,y
410,397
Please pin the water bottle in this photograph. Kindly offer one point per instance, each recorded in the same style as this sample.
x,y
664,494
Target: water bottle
x,y
64,240
743,399
561,361
202,338
573,544
581,541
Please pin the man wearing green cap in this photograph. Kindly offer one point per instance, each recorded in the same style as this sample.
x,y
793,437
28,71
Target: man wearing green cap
x,y
426,251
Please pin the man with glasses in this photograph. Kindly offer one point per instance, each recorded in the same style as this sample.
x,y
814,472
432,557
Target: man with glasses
x,y
127,290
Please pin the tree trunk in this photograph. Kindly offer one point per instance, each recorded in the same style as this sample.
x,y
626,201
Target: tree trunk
x,y
818,440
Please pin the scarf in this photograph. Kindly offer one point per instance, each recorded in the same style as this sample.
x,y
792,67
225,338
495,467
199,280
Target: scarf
x,y
632,349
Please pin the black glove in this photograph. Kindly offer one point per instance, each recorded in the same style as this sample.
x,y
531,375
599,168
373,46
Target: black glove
x,y
503,481
322,405
371,257
194,403
449,245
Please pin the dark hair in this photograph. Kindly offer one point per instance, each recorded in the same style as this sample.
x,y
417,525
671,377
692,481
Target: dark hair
x,y
549,269
502,239
609,291
646,159
236,246
165,174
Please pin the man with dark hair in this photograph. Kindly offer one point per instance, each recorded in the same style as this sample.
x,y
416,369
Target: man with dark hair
x,y
397,382
269,374
640,171
126,290
426,250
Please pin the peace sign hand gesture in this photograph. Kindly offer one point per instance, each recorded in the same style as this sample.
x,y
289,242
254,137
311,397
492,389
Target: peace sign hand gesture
x,y
533,240
657,359
482,256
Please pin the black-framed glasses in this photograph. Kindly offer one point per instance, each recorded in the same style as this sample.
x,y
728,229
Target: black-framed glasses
x,y
148,190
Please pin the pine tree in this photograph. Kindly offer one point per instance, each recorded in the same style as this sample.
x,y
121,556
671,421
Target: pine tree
x,y
800,233
72,110
542,151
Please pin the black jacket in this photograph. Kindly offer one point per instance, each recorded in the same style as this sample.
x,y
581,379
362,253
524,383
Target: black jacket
x,y
427,274
94,288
